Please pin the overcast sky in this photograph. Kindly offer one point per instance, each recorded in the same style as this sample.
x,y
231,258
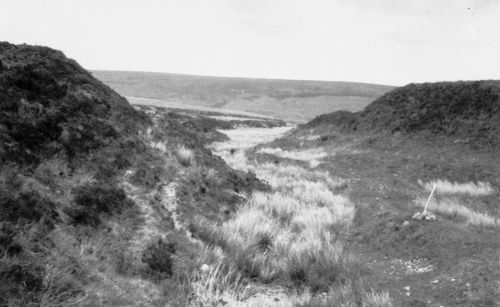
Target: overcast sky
x,y
387,41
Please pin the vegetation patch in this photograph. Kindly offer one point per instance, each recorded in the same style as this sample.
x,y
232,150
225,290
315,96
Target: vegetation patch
x,y
96,199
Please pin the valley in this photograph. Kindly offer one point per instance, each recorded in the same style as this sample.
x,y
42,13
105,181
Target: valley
x,y
283,99
108,203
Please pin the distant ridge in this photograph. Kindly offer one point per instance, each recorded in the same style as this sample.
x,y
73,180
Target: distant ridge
x,y
295,100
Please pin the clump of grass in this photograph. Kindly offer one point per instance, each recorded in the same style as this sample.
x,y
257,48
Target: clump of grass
x,y
62,284
278,236
160,145
185,156
216,285
453,208
470,188
345,297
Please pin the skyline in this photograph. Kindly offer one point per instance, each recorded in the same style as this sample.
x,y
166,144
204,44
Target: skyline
x,y
386,41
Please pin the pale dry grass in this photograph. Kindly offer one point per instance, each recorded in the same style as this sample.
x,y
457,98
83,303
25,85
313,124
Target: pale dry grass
x,y
185,156
160,145
311,155
470,188
236,159
290,231
344,297
288,235
337,297
374,299
216,286
242,139
248,137
289,176
453,207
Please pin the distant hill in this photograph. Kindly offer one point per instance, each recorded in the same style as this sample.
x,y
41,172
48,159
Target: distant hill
x,y
464,111
286,99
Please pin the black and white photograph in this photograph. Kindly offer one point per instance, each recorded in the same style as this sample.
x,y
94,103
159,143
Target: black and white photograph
x,y
248,153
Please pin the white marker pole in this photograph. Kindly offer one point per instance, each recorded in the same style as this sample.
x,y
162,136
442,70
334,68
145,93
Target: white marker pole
x,y
429,199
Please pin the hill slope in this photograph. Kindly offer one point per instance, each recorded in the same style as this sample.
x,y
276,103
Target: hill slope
x,y
466,112
417,138
285,99
50,103
95,196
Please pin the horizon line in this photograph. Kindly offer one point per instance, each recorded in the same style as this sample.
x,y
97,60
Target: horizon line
x,y
242,77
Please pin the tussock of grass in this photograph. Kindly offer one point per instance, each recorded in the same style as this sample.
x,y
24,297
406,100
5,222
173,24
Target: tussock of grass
x,y
216,286
185,156
452,207
471,188
290,234
160,145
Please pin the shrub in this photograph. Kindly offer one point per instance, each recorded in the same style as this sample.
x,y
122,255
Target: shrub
x,y
20,282
25,206
93,199
158,256
147,175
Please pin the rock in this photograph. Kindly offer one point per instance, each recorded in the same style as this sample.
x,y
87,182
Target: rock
x,y
205,267
407,288
406,223
417,216
428,216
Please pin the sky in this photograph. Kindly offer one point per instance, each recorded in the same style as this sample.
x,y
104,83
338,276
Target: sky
x,y
375,41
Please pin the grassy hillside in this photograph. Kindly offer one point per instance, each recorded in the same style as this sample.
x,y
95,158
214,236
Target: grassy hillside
x,y
285,99
391,155
96,197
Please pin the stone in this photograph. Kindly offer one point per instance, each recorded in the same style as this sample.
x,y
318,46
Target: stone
x,y
428,216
